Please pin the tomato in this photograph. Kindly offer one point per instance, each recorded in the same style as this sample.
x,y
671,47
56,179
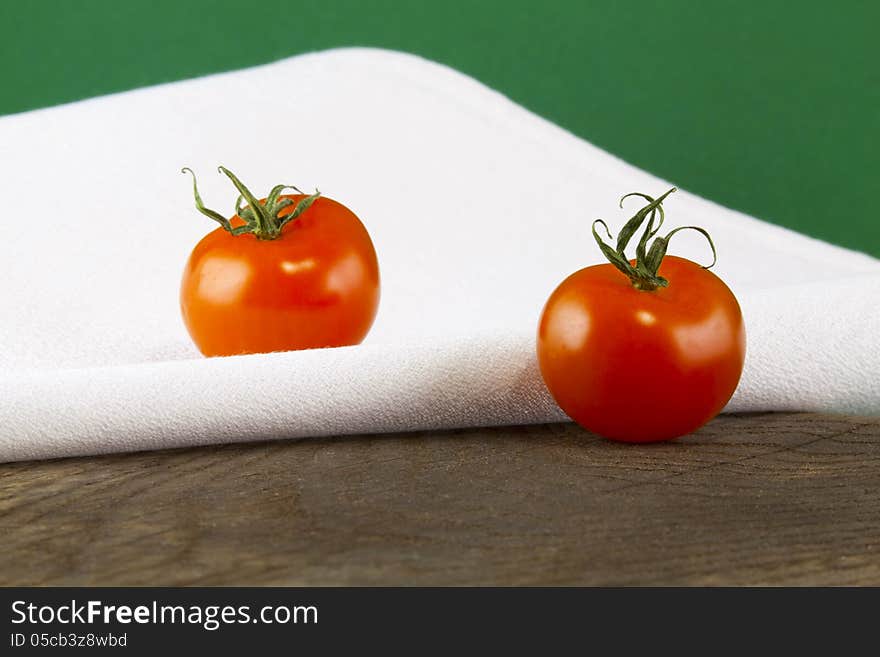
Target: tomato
x,y
639,357
303,276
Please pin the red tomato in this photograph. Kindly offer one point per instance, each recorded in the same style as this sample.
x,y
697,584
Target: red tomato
x,y
642,365
313,284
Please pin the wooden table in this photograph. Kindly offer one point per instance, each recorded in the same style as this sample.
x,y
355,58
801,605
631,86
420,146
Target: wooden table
x,y
750,499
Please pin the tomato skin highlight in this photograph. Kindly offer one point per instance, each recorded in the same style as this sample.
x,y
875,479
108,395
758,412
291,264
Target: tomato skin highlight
x,y
642,366
316,285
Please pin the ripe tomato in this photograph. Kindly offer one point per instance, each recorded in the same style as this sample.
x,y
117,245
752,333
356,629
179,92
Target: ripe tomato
x,y
642,358
276,283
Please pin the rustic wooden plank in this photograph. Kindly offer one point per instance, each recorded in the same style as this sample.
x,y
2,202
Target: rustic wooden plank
x,y
750,499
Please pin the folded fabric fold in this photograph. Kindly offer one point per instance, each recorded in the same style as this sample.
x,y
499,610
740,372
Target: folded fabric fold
x,y
477,209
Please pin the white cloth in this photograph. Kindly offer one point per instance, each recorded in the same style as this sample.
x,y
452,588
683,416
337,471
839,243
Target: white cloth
x,y
477,208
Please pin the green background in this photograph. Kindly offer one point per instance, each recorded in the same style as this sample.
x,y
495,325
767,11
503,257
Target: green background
x,y
768,107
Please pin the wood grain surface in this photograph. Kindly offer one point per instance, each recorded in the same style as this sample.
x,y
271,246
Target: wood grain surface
x,y
750,499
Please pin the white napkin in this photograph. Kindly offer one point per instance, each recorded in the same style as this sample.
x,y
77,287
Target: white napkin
x,y
477,208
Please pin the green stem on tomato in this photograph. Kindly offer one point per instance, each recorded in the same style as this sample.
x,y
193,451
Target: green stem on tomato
x,y
262,220
643,274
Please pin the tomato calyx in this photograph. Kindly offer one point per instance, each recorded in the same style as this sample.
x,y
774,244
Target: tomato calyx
x,y
262,220
643,274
